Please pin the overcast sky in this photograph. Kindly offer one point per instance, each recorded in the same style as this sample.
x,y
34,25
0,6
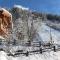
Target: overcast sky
x,y
48,6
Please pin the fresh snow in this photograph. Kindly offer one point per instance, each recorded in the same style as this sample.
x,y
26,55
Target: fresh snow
x,y
44,33
45,56
3,56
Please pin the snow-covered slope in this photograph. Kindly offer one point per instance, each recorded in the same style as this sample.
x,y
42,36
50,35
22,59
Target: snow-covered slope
x,y
44,32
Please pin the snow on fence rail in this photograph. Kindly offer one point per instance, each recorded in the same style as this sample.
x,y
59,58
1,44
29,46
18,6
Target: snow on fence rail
x,y
41,48
40,51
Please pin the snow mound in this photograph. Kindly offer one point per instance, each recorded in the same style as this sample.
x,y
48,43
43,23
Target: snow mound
x,y
21,7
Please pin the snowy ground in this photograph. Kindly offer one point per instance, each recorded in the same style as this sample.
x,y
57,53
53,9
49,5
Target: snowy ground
x,y
44,33
45,56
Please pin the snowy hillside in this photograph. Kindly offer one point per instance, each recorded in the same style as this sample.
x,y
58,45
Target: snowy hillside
x,y
43,31
33,27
